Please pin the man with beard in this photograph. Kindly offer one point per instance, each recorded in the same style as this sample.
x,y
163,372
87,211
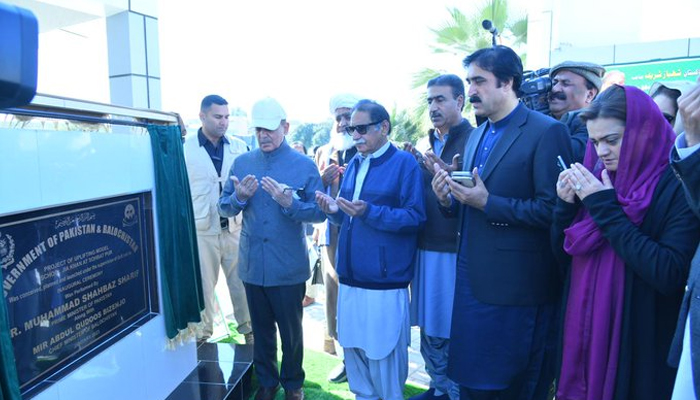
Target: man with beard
x,y
331,160
507,284
574,86
432,288
274,261
207,154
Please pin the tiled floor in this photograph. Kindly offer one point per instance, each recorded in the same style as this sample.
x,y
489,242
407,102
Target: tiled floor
x,y
215,379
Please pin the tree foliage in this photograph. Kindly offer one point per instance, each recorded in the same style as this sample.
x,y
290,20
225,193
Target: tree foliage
x,y
463,34
311,134
404,128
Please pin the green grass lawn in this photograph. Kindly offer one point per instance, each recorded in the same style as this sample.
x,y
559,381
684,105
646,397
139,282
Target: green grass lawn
x,y
317,366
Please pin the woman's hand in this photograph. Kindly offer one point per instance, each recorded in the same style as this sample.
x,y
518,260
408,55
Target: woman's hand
x,y
585,183
565,189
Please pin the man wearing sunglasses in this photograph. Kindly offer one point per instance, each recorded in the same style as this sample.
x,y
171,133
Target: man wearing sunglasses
x,y
574,86
380,209
274,261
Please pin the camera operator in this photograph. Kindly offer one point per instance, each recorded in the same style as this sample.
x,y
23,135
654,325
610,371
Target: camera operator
x,y
574,85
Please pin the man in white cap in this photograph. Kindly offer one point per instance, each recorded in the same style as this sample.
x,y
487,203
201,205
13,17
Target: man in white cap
x,y
331,160
274,262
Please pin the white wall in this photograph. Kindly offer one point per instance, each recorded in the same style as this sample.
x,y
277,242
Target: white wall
x,y
569,27
45,167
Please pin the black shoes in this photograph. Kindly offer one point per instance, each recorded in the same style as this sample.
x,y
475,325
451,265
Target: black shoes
x,y
297,394
430,395
265,393
338,374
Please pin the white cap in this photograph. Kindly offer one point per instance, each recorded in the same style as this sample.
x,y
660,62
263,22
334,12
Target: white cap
x,y
267,113
343,100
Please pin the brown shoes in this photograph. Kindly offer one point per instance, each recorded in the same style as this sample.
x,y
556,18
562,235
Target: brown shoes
x,y
297,394
265,393
308,301
329,346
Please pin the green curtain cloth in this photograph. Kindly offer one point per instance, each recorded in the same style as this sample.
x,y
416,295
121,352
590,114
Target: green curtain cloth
x,y
9,383
181,282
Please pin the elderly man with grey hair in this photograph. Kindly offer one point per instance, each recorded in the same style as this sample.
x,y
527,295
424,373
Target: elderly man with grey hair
x,y
331,160
574,86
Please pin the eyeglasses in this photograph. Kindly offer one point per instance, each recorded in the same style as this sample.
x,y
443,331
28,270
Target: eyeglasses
x,y
669,118
361,129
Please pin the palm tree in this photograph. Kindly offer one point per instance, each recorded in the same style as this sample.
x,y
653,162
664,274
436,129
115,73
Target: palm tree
x,y
461,35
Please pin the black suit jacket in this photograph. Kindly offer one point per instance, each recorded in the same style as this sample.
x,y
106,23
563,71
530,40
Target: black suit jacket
x,y
507,244
578,132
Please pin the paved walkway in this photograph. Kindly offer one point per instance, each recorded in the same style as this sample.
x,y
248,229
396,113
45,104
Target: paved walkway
x,y
314,328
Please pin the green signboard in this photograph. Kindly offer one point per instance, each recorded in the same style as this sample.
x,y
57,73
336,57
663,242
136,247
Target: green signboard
x,y
642,75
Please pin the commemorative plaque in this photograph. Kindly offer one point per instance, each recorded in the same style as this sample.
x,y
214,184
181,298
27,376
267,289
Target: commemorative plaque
x,y
74,277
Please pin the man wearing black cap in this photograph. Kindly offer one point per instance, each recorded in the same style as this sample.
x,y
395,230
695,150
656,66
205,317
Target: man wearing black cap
x,y
574,85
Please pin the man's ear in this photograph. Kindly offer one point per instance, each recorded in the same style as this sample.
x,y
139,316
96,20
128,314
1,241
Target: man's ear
x,y
385,127
591,95
286,127
201,116
460,102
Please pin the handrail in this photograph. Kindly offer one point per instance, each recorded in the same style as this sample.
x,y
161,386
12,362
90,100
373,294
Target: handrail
x,y
55,107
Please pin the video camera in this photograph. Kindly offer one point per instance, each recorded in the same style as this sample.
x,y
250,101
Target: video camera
x,y
535,90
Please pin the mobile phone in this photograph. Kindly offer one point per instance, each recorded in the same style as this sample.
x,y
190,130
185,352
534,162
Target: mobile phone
x,y
464,178
562,164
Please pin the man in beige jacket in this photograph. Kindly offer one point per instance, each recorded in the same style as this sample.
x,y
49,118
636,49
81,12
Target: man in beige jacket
x,y
208,154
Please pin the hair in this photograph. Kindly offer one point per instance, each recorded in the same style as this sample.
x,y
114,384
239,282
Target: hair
x,y
611,103
376,111
500,61
212,99
672,94
451,80
299,143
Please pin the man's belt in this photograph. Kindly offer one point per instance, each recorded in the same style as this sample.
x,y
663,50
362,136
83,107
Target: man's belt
x,y
224,223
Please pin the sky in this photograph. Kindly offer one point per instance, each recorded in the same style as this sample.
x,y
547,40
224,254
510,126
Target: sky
x,y
299,52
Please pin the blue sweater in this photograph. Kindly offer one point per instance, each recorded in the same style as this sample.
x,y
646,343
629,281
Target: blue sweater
x,y
273,243
377,249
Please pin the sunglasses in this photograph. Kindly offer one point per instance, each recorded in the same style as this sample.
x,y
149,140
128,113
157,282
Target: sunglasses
x,y
669,118
361,129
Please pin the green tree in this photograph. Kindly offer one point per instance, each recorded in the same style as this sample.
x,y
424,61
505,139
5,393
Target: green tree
x,y
404,128
323,134
304,133
311,134
463,34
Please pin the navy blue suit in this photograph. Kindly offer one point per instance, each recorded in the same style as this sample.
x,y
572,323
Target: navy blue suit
x,y
505,257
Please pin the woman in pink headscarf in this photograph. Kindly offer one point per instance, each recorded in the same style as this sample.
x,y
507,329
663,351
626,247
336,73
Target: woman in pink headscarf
x,y
624,231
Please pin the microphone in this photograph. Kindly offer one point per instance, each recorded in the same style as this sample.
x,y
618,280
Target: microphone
x,y
488,25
